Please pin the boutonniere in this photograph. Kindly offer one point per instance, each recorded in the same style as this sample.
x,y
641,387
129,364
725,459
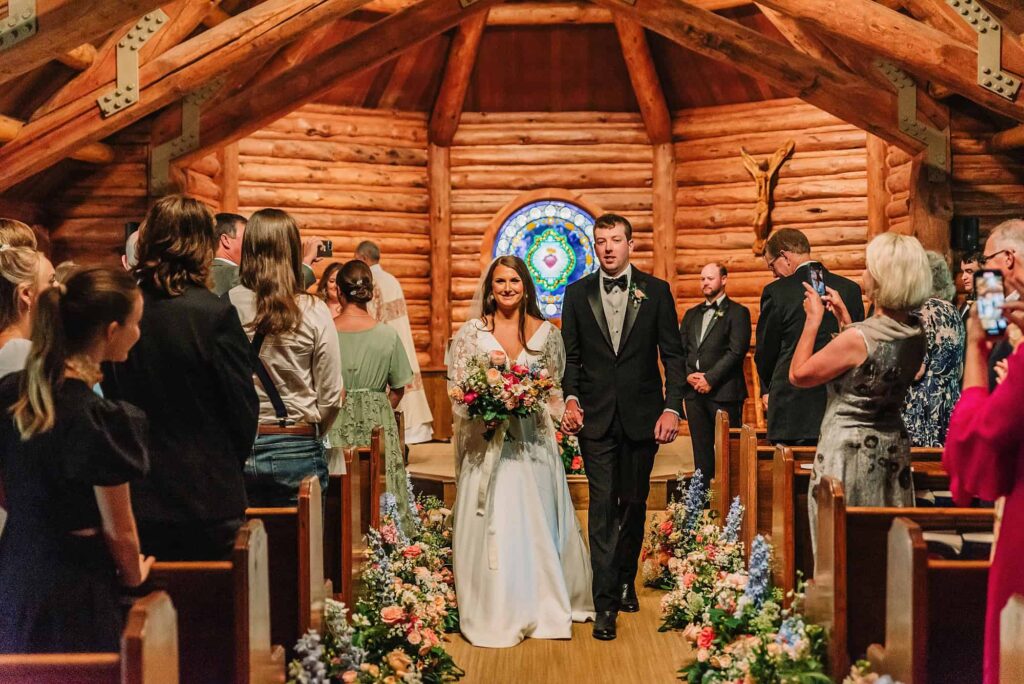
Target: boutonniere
x,y
719,312
636,294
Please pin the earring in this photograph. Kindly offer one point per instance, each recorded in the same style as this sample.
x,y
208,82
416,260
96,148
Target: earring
x,y
490,298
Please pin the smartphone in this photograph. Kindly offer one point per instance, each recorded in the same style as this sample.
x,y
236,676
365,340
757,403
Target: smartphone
x,y
326,248
817,272
988,289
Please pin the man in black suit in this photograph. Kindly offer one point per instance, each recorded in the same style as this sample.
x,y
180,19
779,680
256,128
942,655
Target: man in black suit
x,y
1004,250
615,324
794,415
716,337
969,265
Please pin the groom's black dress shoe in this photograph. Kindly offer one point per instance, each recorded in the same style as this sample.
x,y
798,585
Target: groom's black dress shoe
x,y
628,602
604,625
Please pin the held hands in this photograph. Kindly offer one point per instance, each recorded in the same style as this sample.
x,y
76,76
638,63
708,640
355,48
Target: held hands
x,y
698,382
572,419
667,428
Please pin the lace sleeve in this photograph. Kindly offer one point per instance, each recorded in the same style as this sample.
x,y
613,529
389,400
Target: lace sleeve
x,y
554,361
463,347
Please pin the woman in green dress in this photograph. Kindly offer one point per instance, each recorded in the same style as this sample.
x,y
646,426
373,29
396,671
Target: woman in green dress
x,y
375,369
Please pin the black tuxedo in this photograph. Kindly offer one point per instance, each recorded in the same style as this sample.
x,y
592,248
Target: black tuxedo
x,y
794,415
622,397
719,355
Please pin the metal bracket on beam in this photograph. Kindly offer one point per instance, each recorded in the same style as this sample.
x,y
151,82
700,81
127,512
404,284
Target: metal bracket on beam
x,y
127,91
160,156
936,141
21,23
990,45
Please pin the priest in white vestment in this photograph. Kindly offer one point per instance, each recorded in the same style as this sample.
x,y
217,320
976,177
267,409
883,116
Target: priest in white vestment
x,y
388,306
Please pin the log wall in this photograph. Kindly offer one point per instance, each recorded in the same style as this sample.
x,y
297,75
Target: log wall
x,y
989,186
822,191
606,159
350,175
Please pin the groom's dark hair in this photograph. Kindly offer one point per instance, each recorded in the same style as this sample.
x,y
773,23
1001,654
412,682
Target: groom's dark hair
x,y
611,220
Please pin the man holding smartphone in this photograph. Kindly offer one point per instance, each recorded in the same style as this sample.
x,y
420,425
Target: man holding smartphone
x,y
794,415
1003,251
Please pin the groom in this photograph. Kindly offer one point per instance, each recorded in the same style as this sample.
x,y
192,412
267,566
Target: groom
x,y
615,323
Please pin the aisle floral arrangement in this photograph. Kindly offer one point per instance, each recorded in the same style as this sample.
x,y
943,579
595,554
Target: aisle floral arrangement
x,y
396,630
732,616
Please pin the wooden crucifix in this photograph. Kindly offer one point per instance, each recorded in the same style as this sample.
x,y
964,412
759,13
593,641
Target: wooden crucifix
x,y
765,174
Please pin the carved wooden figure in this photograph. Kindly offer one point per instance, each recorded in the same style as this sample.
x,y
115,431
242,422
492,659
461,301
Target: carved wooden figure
x,y
765,173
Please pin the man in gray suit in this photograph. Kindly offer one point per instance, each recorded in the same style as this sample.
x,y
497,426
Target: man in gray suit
x,y
230,231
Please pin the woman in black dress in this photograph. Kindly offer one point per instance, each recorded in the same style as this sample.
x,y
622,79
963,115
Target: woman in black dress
x,y
66,456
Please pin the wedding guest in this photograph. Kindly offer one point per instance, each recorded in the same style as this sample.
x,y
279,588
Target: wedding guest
x,y
794,413
298,369
63,271
191,372
936,387
716,337
969,265
373,362
868,368
388,306
983,455
14,233
24,275
1004,249
230,230
66,461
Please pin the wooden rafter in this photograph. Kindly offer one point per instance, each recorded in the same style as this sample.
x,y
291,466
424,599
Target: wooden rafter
x,y
255,107
405,67
444,119
64,25
190,65
94,153
644,77
799,37
80,58
848,96
392,6
548,13
908,43
183,17
1007,140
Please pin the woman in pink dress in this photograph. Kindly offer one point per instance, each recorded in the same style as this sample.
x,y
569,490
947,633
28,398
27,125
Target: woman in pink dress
x,y
985,458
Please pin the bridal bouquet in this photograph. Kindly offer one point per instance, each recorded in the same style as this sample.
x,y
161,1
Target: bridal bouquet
x,y
493,390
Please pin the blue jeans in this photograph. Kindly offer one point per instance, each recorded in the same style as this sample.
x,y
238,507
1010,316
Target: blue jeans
x,y
277,466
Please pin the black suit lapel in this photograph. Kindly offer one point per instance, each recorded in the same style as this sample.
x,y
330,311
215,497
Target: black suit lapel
x,y
632,306
714,319
594,297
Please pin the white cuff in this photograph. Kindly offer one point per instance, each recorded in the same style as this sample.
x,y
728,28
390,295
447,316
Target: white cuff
x,y
673,412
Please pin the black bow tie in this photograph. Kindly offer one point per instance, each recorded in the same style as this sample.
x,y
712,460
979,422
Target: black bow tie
x,y
610,283
713,306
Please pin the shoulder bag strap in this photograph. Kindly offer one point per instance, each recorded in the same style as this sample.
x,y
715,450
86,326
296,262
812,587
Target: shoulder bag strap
x,y
268,384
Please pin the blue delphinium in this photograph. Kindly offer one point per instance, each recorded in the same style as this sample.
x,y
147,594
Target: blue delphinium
x,y
416,522
731,531
310,667
696,497
791,632
760,570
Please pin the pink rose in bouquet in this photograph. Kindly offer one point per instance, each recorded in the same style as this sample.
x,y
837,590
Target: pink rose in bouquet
x,y
497,358
412,551
391,614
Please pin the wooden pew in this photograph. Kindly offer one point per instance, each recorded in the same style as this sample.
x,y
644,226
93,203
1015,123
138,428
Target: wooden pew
x,y
149,653
725,484
340,531
224,614
296,566
1011,641
934,613
791,533
848,593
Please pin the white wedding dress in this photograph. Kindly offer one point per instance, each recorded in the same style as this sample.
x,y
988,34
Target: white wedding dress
x,y
521,567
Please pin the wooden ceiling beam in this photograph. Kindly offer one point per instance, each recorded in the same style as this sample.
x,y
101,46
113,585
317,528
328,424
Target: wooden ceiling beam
x,y
94,153
538,8
255,107
548,14
444,119
79,59
799,37
644,77
908,43
64,25
183,18
163,80
1007,140
945,18
847,96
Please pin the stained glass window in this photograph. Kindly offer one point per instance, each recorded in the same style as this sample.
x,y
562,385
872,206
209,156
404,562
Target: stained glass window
x,y
556,240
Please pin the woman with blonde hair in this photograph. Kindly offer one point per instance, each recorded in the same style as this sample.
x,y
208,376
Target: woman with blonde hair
x,y
297,362
867,368
24,274
68,457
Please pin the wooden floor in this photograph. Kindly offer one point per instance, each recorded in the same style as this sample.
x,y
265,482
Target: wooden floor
x,y
640,654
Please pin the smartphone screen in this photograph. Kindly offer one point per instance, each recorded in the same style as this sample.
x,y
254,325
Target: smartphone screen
x,y
988,288
817,272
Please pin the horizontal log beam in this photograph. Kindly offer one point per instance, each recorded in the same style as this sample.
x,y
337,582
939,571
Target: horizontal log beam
x,y
94,153
911,45
255,107
79,59
190,65
548,13
66,24
1007,140
392,6
850,97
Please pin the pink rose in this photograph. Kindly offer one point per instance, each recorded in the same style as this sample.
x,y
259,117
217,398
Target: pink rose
x,y
412,551
577,463
498,358
350,676
688,579
470,397
706,637
520,369
666,527
391,614
493,376
415,637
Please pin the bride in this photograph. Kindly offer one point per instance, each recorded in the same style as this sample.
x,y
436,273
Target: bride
x,y
521,568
